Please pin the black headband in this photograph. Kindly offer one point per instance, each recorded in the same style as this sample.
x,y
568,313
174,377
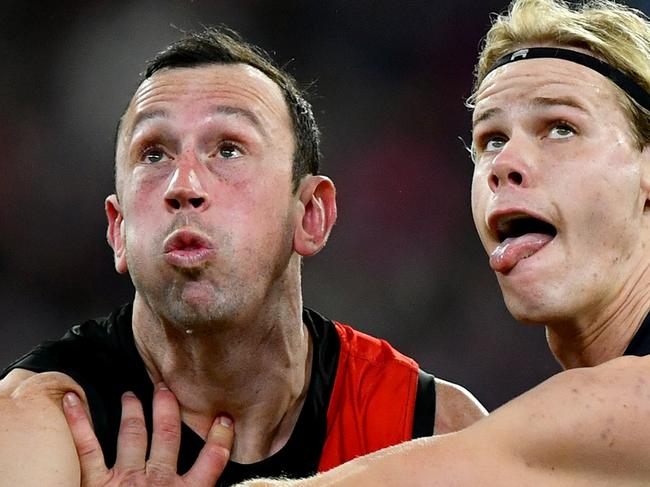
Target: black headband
x,y
622,80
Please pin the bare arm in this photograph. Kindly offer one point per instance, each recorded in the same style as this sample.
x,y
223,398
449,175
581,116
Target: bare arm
x,y
584,427
36,447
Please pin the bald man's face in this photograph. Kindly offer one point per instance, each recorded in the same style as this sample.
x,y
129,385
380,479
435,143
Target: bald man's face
x,y
204,169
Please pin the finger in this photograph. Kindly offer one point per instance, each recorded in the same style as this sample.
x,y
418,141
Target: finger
x,y
214,455
91,458
132,438
166,438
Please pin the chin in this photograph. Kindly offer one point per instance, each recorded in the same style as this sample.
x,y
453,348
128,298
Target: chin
x,y
539,310
530,307
195,308
186,316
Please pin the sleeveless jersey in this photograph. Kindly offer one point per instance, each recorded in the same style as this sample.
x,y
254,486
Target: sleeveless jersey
x,y
640,344
363,394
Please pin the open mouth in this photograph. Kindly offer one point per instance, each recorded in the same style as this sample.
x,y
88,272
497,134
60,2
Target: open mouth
x,y
520,235
514,226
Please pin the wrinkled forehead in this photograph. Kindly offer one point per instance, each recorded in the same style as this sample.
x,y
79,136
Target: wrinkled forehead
x,y
237,83
194,93
531,79
181,87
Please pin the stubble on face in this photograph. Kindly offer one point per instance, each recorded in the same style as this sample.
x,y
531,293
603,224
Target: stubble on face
x,y
214,293
250,219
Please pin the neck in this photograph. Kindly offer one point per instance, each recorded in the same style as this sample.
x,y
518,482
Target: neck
x,y
256,370
594,338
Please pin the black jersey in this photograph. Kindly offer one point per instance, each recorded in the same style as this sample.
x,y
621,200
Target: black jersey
x,y
640,344
101,356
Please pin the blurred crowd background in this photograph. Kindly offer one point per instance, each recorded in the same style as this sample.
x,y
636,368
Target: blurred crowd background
x,y
387,80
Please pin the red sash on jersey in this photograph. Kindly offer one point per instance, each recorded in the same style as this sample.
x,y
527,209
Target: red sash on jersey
x,y
373,399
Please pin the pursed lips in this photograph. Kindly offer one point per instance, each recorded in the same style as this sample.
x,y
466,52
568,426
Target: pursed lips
x,y
187,248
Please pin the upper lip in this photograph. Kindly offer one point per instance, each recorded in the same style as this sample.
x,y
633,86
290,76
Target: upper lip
x,y
183,239
502,223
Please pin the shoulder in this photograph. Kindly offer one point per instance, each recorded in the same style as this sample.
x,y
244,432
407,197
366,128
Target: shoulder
x,y
29,397
456,407
614,385
33,429
580,427
584,426
364,347
577,400
590,420
21,384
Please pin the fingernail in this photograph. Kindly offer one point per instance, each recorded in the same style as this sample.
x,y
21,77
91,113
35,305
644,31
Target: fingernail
x,y
129,394
162,386
71,399
225,421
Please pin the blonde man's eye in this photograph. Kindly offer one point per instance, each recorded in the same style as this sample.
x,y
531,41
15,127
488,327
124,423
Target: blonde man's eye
x,y
561,131
494,144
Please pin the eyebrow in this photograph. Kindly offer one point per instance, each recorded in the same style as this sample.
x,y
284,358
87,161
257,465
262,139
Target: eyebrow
x,y
145,116
537,102
243,112
486,115
142,117
542,101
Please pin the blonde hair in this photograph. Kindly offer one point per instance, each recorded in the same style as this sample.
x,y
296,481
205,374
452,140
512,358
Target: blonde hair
x,y
615,33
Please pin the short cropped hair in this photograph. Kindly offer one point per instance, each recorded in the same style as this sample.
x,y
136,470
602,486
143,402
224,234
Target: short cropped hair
x,y
615,33
224,46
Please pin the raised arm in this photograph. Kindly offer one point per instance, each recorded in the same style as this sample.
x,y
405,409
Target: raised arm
x,y
583,427
36,446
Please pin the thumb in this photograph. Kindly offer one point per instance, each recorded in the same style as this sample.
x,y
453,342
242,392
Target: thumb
x,y
215,453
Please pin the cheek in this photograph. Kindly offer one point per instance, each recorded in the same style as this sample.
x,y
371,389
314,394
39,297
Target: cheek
x,y
479,195
605,187
141,206
147,182
606,229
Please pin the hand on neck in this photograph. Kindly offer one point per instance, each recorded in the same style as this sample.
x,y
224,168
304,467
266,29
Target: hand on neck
x,y
257,371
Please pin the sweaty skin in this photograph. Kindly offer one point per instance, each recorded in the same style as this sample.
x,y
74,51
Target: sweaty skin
x,y
540,127
567,432
209,226
551,142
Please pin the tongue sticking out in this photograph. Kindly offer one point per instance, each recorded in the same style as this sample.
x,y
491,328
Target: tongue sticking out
x,y
512,250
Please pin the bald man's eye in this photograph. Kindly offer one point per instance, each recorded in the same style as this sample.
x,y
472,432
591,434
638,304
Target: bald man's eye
x,y
153,156
229,150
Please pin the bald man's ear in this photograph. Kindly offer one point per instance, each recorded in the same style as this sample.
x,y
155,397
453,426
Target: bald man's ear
x,y
115,232
316,216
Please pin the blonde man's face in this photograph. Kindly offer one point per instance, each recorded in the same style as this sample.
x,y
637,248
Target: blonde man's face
x,y
558,192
